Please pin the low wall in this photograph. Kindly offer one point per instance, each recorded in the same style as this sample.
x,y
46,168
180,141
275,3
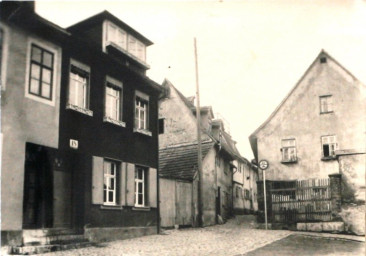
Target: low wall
x,y
13,238
352,166
110,234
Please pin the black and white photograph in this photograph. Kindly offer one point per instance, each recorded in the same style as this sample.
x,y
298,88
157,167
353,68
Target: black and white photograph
x,y
183,127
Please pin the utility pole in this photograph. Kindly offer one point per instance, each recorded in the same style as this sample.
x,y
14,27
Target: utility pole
x,y
199,155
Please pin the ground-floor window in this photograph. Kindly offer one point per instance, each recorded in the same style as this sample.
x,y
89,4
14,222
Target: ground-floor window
x,y
110,178
140,186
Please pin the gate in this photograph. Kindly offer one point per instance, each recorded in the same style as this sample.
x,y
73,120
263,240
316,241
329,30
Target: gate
x,y
301,201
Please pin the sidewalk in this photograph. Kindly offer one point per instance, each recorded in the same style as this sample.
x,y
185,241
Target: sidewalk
x,y
332,236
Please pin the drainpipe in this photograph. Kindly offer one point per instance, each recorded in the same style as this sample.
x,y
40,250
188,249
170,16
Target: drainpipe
x,y
157,173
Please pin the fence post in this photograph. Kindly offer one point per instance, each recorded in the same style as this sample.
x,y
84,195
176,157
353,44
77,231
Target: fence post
x,y
335,194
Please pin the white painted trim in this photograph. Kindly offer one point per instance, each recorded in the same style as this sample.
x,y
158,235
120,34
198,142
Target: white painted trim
x,y
56,80
104,36
114,81
80,65
5,53
142,95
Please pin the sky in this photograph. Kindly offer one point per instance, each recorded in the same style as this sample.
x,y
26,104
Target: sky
x,y
250,53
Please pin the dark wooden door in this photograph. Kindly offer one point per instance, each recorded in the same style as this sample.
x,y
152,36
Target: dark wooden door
x,y
32,196
37,197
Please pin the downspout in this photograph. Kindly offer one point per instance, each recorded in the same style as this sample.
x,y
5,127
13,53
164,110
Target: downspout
x,y
157,172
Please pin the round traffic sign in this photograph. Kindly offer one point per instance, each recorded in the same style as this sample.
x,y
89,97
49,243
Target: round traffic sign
x,y
263,164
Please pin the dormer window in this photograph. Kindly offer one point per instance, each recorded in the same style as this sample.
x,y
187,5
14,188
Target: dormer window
x,y
116,35
124,42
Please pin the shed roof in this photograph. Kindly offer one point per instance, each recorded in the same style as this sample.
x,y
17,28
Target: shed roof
x,y
179,162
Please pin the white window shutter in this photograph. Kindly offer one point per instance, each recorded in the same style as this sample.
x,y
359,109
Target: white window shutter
x,y
152,187
97,180
123,184
130,188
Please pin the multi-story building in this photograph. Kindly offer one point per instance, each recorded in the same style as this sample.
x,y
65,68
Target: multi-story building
x,y
245,178
79,128
318,130
179,161
31,55
109,126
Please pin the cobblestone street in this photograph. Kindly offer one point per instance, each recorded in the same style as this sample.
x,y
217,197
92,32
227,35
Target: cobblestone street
x,y
228,239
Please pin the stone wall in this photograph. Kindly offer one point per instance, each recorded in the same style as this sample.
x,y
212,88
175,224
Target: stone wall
x,y
352,165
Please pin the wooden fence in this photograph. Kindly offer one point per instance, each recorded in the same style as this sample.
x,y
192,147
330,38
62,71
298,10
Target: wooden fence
x,y
301,201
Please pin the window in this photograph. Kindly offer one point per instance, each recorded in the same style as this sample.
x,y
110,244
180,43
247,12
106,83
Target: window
x,y
326,104
329,146
141,112
161,125
41,72
109,187
124,42
140,51
116,35
132,45
140,185
1,51
238,192
78,98
288,150
113,102
246,194
323,60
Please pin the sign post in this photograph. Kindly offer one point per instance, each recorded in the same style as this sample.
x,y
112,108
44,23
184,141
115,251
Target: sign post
x,y
263,165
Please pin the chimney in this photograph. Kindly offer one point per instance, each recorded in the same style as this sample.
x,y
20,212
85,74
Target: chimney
x,y
191,99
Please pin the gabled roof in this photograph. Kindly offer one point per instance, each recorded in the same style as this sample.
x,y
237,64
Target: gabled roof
x,y
180,162
321,54
252,137
105,15
188,100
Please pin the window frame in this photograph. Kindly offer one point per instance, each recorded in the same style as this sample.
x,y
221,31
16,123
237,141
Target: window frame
x,y
42,68
143,181
142,97
137,49
116,85
4,55
57,52
328,106
292,157
110,177
334,143
81,70
114,39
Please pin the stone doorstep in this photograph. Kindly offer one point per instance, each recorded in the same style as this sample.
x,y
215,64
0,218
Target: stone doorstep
x,y
51,239
36,249
49,232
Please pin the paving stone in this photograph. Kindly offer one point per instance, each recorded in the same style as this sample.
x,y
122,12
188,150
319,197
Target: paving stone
x,y
227,239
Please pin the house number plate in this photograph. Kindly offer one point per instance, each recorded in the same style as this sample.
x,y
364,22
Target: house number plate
x,y
74,144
